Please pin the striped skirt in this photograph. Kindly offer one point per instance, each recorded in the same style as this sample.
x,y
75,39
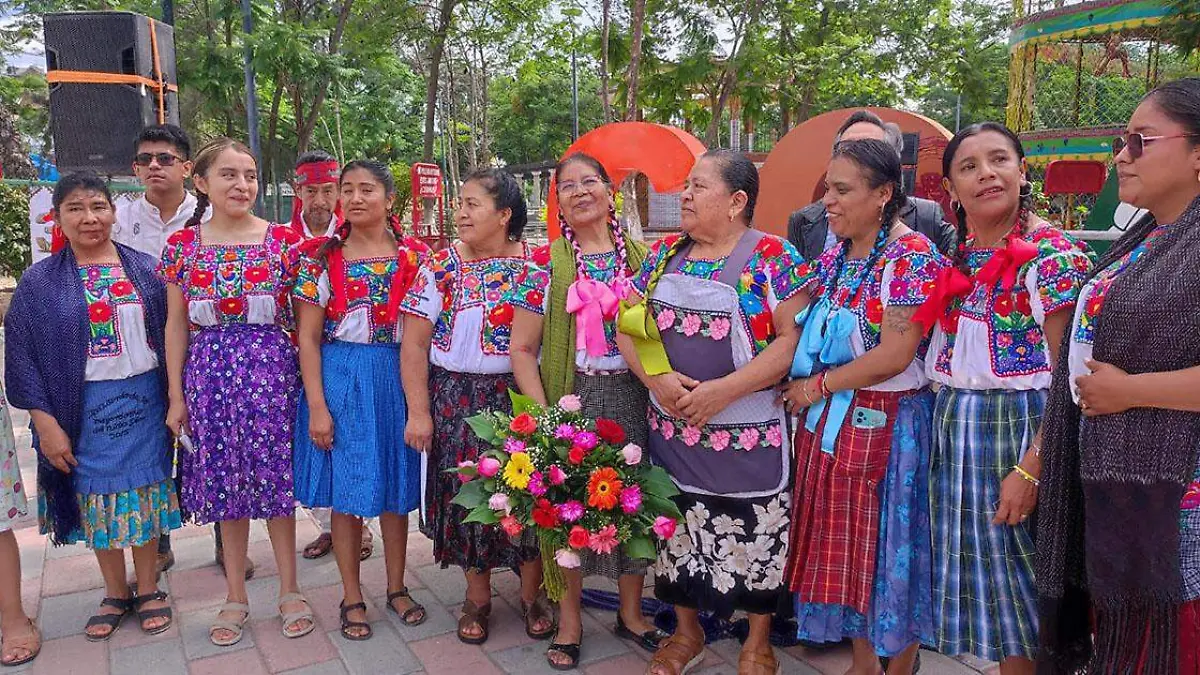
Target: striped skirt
x,y
983,589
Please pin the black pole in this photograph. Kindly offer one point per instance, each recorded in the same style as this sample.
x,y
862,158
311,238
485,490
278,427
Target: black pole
x,y
252,99
168,12
574,90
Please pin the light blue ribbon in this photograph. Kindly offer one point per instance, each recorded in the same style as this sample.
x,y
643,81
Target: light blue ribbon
x,y
824,344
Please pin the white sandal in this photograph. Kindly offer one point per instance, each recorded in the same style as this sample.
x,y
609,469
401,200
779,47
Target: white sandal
x,y
290,618
235,627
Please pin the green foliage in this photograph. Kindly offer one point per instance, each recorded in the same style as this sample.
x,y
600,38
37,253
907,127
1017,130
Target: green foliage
x,y
14,230
530,112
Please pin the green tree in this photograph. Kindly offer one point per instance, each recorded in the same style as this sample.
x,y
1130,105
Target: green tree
x,y
531,112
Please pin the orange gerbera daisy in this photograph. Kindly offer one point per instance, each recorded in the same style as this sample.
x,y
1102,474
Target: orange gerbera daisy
x,y
604,488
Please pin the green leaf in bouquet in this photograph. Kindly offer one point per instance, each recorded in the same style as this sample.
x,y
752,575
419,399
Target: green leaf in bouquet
x,y
482,514
640,547
658,482
470,495
483,427
522,403
652,503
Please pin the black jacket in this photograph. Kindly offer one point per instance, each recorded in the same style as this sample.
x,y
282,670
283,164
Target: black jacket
x,y
808,227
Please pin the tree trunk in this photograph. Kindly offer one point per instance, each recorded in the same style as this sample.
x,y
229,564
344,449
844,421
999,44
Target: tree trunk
x,y
635,59
729,74
314,113
14,155
606,25
436,49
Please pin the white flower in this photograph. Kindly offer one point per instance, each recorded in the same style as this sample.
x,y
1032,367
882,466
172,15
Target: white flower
x,y
735,557
723,581
570,403
771,519
632,454
723,525
696,517
760,548
567,559
499,502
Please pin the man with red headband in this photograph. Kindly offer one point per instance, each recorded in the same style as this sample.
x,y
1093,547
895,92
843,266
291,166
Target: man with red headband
x,y
315,208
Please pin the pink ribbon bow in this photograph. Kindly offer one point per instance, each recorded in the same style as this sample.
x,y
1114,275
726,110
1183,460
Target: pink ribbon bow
x,y
592,303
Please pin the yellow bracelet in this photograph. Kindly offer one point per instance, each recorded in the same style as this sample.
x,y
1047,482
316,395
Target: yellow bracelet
x,y
1026,475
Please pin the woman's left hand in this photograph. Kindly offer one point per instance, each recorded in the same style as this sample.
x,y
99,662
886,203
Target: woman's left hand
x,y
796,395
703,402
1105,391
1018,497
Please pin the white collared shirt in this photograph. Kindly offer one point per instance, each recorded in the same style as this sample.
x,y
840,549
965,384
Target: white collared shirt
x,y
309,234
140,224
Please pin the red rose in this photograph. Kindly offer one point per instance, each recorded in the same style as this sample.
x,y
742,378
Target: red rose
x,y
121,287
201,277
501,315
578,538
544,514
576,455
610,431
231,306
356,289
256,275
875,310
534,298
1004,305
523,425
100,312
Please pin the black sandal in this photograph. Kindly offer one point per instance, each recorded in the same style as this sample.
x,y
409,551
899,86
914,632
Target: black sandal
x,y
533,611
347,624
570,651
650,640
113,621
146,615
403,594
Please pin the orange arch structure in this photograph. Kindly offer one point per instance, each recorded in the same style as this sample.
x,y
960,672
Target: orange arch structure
x,y
663,153
793,175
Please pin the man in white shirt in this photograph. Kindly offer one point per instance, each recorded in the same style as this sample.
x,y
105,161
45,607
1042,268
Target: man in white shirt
x,y
162,163
316,211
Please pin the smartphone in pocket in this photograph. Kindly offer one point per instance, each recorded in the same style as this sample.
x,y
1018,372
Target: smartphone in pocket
x,y
868,418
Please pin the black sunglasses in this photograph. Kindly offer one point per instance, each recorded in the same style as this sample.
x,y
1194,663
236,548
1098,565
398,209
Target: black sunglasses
x,y
164,158
1136,143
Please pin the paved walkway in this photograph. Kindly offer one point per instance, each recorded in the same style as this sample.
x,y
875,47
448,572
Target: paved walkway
x,y
62,587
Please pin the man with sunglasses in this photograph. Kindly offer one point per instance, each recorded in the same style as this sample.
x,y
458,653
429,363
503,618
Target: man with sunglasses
x,y
162,163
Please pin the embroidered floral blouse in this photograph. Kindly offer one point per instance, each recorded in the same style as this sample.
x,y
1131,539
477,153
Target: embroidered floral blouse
x,y
772,276
368,290
904,276
118,345
998,342
531,291
468,302
227,284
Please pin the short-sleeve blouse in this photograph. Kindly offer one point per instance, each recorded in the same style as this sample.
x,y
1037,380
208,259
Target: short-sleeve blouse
x,y
999,341
228,284
468,303
368,291
118,344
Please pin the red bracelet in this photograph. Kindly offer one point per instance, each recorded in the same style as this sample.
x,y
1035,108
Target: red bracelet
x,y
825,389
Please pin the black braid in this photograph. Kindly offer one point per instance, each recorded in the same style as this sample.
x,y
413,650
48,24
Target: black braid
x,y
337,240
960,255
198,212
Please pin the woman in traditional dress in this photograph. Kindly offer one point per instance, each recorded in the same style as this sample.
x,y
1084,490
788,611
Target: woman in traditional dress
x,y
84,356
455,364
723,298
21,641
1001,313
1119,537
566,310
860,558
350,450
234,377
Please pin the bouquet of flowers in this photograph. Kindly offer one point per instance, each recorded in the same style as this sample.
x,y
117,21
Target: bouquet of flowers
x,y
573,479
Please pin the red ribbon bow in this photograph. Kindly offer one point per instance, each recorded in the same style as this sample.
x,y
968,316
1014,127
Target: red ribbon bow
x,y
951,283
1006,262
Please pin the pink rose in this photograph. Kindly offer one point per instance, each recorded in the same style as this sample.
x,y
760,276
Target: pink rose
x,y
489,466
668,430
691,324
632,454
499,502
567,559
665,319
748,439
774,436
720,440
664,527
557,475
570,403
719,328
691,435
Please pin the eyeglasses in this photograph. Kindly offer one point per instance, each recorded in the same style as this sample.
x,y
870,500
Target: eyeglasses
x,y
164,158
1137,143
588,184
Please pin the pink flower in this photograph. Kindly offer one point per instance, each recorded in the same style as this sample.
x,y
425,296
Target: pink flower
x,y
489,466
570,403
632,454
665,319
653,422
719,328
567,559
631,499
668,430
499,502
564,432
1191,498
465,478
537,485
720,439
512,445
604,541
570,511
511,526
586,440
664,527
749,438
691,324
774,436
691,435
557,475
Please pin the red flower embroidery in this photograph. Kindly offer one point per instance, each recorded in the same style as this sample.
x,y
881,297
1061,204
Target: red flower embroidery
x,y
534,298
1064,285
1004,305
761,326
201,278
541,255
100,312
379,313
875,310
501,315
120,288
901,267
918,244
356,289
231,306
1094,305
1023,305
770,247
185,236
256,275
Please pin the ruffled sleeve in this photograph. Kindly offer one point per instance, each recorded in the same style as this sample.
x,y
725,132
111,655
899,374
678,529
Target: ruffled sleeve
x,y
529,291
1062,266
912,277
423,299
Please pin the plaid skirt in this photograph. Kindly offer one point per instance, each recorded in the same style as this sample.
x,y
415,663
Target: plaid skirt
x,y
453,398
623,399
983,589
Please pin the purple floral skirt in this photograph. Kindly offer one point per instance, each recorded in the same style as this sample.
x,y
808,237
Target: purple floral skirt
x,y
241,384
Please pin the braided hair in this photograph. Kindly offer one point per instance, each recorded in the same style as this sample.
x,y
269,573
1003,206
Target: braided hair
x,y
383,175
204,161
1019,228
614,225
880,165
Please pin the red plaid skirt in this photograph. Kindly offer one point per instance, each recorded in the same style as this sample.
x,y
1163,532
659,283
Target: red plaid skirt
x,y
835,529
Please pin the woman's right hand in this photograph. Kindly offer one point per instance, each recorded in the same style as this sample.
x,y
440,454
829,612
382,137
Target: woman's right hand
x,y
177,417
668,388
418,432
320,427
56,446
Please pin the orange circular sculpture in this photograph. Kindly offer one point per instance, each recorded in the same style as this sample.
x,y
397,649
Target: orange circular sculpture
x,y
794,173
664,154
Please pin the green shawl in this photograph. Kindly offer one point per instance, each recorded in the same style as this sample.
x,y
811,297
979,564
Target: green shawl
x,y
558,326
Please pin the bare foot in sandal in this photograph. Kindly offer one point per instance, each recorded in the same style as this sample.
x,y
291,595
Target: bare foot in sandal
x,y
296,614
21,643
411,612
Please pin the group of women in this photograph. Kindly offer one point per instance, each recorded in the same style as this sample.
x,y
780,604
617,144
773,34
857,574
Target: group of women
x,y
790,402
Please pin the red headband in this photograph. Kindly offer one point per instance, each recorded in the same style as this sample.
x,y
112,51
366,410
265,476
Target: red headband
x,y
317,172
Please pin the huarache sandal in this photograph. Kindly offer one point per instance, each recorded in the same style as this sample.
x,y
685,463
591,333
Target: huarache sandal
x,y
415,607
678,654
31,643
145,615
348,625
236,628
474,615
535,611
111,621
571,651
650,640
319,547
758,662
291,618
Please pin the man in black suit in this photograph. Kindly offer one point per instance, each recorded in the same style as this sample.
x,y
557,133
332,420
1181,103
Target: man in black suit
x,y
808,228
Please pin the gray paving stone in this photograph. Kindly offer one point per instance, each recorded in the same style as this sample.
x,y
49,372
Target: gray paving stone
x,y
439,620
57,552
160,658
194,626
327,668
383,653
448,585
63,615
317,573
729,649
192,553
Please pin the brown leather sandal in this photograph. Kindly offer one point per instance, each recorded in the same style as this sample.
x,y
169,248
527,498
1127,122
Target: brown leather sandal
x,y
678,654
535,611
474,615
758,662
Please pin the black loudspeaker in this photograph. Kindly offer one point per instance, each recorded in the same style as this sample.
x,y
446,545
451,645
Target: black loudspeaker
x,y
908,156
95,124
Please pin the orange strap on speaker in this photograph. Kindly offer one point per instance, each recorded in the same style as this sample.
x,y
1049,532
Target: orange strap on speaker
x,y
93,77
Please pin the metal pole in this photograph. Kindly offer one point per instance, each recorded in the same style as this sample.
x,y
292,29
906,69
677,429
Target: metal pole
x,y
574,90
168,12
252,99
958,113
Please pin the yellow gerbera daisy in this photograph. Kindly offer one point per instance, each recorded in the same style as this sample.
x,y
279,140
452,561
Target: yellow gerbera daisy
x,y
518,470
